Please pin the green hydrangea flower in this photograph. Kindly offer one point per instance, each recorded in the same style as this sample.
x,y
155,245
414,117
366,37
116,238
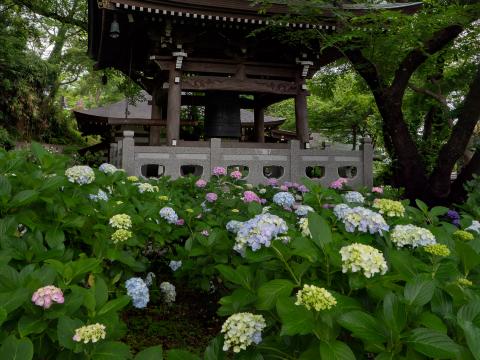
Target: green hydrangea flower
x,y
315,297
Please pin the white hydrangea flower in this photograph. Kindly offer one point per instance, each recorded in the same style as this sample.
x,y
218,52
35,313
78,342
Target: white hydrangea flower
x,y
82,175
303,224
353,197
90,333
241,330
475,226
365,258
411,235
120,221
168,291
146,187
107,168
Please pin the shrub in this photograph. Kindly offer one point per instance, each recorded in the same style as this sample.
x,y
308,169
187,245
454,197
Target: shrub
x,y
305,285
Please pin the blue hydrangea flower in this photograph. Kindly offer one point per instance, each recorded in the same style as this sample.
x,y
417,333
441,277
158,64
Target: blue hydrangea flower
x,y
169,214
138,292
354,197
101,195
303,210
284,199
233,226
175,265
260,231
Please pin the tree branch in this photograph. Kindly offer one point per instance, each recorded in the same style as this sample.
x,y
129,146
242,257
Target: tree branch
x,y
418,56
366,69
461,133
439,97
34,7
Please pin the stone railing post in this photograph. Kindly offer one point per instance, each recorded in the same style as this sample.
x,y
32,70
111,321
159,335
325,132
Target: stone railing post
x,y
215,154
367,149
128,152
296,164
113,155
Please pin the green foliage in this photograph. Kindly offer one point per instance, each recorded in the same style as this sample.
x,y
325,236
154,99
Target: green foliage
x,y
52,233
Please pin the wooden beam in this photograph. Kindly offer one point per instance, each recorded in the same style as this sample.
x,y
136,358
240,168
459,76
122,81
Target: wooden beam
x,y
301,120
220,66
146,122
217,83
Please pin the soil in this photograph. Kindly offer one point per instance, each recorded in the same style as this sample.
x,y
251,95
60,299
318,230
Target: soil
x,y
190,323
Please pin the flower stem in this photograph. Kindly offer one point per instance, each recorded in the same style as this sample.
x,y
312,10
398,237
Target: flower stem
x,y
289,269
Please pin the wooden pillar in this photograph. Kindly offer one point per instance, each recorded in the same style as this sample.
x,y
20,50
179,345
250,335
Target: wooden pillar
x,y
155,131
259,124
173,108
301,117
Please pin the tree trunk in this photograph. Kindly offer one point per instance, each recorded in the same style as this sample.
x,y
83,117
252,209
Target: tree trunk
x,y
455,147
409,170
458,194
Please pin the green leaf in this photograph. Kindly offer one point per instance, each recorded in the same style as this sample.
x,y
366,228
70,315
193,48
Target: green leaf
x,y
55,238
468,255
31,325
3,315
336,350
363,326
419,291
66,329
101,291
24,197
269,293
438,211
214,350
394,313
472,335
305,248
433,322
114,305
5,188
422,206
235,302
433,344
181,355
296,319
242,275
126,258
111,350
320,230
151,353
13,299
84,266
14,349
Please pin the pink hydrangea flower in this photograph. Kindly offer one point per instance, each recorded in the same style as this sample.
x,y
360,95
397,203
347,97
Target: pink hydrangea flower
x,y
201,183
47,295
211,197
377,189
328,206
237,175
219,171
250,196
338,184
272,182
284,188
180,222
302,189
288,184
205,233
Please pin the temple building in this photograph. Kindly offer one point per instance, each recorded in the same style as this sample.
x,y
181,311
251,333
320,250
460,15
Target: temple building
x,y
220,56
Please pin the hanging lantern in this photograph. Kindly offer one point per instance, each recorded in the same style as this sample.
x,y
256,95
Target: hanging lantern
x,y
115,29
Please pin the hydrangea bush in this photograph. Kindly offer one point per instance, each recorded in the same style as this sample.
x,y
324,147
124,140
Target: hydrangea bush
x,y
303,273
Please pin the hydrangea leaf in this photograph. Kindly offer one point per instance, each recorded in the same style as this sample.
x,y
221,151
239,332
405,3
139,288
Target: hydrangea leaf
x,y
151,353
296,319
336,350
433,344
269,293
